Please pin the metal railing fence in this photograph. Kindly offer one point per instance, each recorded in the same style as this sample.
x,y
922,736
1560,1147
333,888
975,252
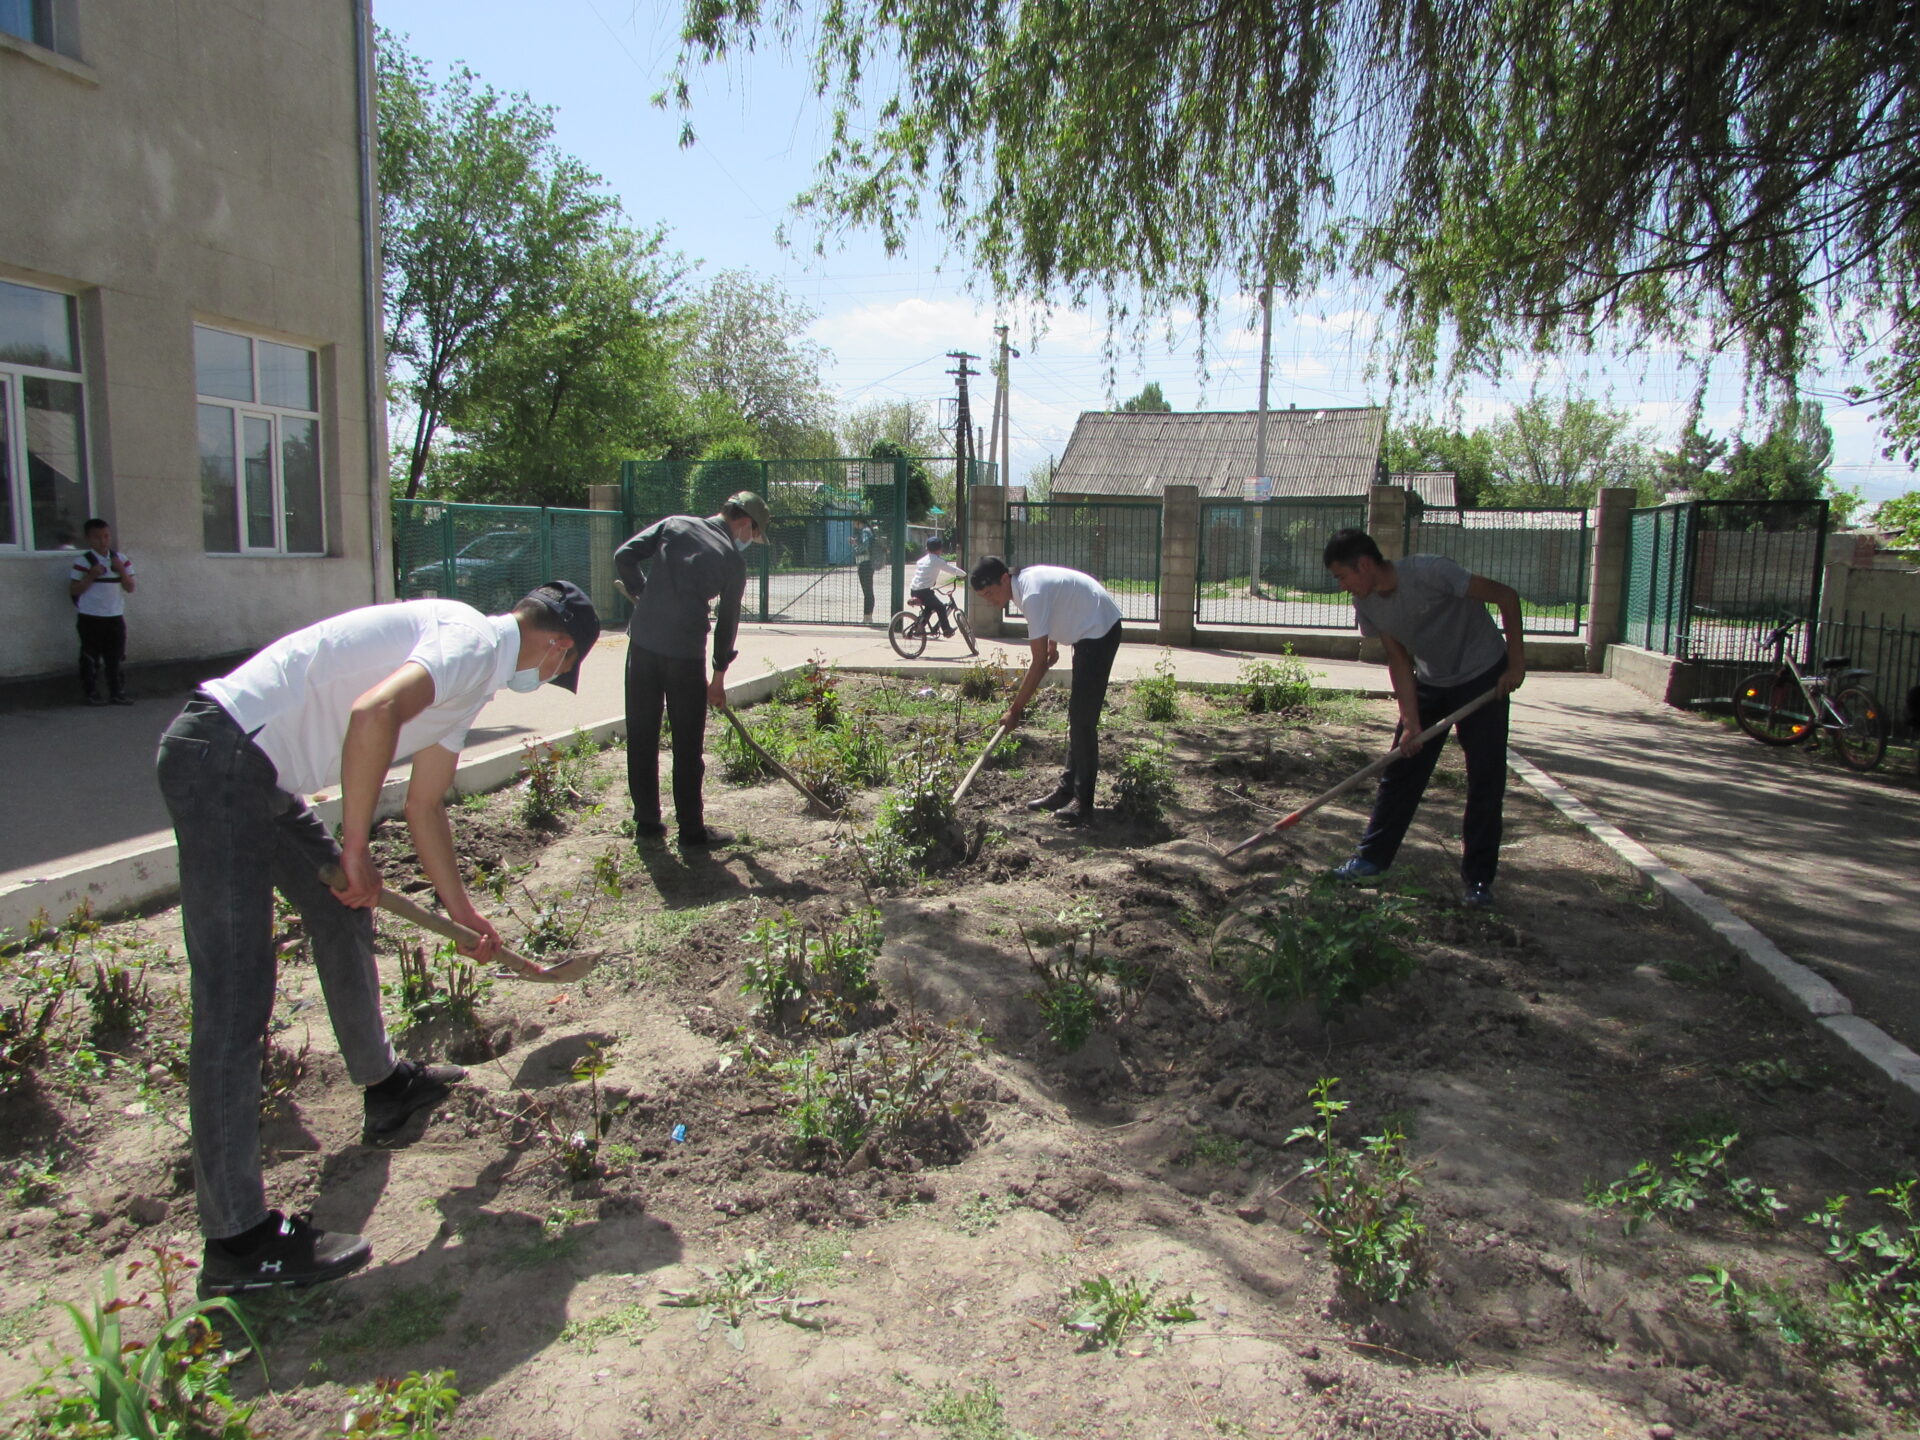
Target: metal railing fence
x,y
1117,543
1707,579
1259,562
491,555
1887,648
1542,553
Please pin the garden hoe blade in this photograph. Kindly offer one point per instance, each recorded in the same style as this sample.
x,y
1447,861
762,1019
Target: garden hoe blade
x,y
1365,773
559,973
960,792
746,738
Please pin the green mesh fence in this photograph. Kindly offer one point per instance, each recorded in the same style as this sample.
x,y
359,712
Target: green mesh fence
x,y
1259,562
1707,579
1541,553
491,555
1118,544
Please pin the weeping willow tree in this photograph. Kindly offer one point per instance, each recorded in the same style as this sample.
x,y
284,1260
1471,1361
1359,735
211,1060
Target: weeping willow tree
x,y
1506,176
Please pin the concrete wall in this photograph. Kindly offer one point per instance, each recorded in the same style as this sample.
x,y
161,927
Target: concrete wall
x,y
195,160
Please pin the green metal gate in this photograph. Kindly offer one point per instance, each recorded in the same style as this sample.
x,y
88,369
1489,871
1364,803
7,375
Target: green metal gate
x,y
1260,562
491,555
1116,543
1707,579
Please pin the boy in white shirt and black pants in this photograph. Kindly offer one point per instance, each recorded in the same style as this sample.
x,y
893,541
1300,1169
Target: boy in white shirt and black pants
x,y
335,703
1063,607
99,582
931,569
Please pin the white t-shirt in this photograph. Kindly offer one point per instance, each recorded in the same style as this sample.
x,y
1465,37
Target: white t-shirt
x,y
106,597
931,570
298,693
1063,605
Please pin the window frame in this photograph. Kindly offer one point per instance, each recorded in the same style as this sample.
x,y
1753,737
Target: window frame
x,y
13,432
239,413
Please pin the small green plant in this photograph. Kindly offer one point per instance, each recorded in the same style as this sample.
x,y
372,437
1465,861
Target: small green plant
x,y
281,1071
118,997
555,781
918,815
609,872
1875,1305
627,1323
1273,687
411,1408
39,986
1158,696
1143,784
1331,945
970,1415
1364,1202
1762,1307
171,1385
980,1213
31,1179
443,983
758,1286
1105,1310
827,963
986,677
885,1082
1699,1174
1081,987
1210,1147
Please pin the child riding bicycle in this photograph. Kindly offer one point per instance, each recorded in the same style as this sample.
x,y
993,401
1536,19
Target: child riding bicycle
x,y
931,569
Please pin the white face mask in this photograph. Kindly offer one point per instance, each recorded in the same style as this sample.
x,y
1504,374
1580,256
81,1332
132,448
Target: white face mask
x,y
525,681
740,544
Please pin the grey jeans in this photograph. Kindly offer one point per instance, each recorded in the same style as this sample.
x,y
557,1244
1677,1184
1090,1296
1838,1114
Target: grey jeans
x,y
240,836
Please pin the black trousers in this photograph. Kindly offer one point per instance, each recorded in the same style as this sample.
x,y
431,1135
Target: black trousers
x,y
866,587
1483,735
678,686
1092,666
940,612
103,646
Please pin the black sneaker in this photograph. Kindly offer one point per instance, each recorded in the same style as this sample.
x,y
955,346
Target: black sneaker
x,y
1054,801
295,1254
1479,896
412,1086
648,830
122,700
1074,814
706,837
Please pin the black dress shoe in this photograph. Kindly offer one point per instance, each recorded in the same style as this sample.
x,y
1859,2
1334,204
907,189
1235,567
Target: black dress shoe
x,y
706,837
1074,814
1051,802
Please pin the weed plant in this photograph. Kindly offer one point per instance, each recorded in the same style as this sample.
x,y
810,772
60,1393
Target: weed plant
x,y
1143,785
37,991
1105,1310
986,678
1699,1174
1364,1202
444,983
758,1286
171,1385
1275,687
119,998
915,830
413,1407
970,1415
281,1071
627,1323
876,1084
1081,987
1158,696
556,780
1332,945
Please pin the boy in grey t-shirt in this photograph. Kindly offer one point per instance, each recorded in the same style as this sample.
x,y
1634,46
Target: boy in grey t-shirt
x,y
1442,651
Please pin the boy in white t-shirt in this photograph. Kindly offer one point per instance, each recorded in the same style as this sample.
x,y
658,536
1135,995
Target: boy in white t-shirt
x,y
99,581
929,571
335,703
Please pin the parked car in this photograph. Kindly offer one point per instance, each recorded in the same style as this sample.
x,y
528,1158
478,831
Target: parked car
x,y
490,572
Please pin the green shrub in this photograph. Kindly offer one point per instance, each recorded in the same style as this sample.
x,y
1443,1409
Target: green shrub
x,y
1332,945
877,1083
984,678
918,814
1081,987
412,1408
1105,1310
828,963
1699,1174
1143,784
1273,687
1159,695
1364,1202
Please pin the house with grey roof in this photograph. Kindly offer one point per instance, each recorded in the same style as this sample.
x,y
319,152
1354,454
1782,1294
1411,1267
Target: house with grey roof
x,y
1310,453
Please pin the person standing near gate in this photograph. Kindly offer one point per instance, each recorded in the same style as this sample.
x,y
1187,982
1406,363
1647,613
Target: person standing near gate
x,y
1442,651
1063,607
863,562
689,563
99,582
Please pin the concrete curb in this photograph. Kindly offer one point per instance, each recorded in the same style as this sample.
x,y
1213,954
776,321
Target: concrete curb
x,y
149,873
1767,970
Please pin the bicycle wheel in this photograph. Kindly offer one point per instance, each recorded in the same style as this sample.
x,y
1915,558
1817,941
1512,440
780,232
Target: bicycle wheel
x,y
907,638
966,630
1771,707
1863,739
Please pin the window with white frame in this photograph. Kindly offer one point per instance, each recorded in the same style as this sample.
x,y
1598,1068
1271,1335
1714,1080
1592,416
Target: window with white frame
x,y
259,406
43,422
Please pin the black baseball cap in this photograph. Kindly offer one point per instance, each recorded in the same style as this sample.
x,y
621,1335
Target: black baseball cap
x,y
577,617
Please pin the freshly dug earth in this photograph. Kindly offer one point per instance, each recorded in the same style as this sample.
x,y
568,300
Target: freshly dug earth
x,y
913,1286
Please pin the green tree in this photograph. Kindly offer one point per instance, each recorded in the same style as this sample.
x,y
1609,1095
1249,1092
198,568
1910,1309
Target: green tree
x,y
906,423
920,493
1148,402
482,222
1788,463
1514,175
1562,452
1686,470
748,344
1040,480
1900,518
1414,445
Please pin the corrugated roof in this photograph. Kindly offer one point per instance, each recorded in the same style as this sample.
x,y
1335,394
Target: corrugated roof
x,y
1439,488
1309,452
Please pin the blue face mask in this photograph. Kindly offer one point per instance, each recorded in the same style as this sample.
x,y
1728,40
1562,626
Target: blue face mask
x,y
525,682
740,544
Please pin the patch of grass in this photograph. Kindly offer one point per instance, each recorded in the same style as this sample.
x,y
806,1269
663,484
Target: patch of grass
x,y
409,1316
1698,1174
1105,1310
970,1414
627,1323
980,1213
1364,1203
1210,1147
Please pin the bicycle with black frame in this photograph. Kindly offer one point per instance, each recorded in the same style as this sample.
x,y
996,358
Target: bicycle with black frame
x,y
910,628
1785,705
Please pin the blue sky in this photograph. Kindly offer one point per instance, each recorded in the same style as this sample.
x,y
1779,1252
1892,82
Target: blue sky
x,y
890,321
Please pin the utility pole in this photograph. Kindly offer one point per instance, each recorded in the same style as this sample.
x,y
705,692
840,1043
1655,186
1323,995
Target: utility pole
x,y
1257,531
999,383
963,448
1003,405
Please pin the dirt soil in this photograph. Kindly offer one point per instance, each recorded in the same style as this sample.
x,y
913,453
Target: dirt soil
x,y
1571,1032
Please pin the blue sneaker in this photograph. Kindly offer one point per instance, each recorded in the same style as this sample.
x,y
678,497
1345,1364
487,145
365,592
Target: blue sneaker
x,y
1357,869
1479,897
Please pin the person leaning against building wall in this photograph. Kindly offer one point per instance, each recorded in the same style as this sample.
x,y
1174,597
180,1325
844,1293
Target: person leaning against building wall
x,y
676,570
99,582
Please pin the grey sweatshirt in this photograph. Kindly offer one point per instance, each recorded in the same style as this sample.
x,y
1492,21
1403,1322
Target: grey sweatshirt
x,y
694,563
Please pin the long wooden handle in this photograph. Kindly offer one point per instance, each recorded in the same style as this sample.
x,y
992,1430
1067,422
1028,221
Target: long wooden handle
x,y
1365,773
394,903
992,745
785,774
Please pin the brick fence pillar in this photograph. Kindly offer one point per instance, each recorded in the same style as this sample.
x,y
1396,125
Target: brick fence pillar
x,y
607,600
1179,563
1607,581
1387,519
986,535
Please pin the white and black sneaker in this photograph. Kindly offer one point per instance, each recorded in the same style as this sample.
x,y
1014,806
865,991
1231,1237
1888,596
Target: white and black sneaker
x,y
293,1252
412,1086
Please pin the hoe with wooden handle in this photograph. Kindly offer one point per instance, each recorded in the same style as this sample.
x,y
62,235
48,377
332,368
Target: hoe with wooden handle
x,y
1367,773
396,904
